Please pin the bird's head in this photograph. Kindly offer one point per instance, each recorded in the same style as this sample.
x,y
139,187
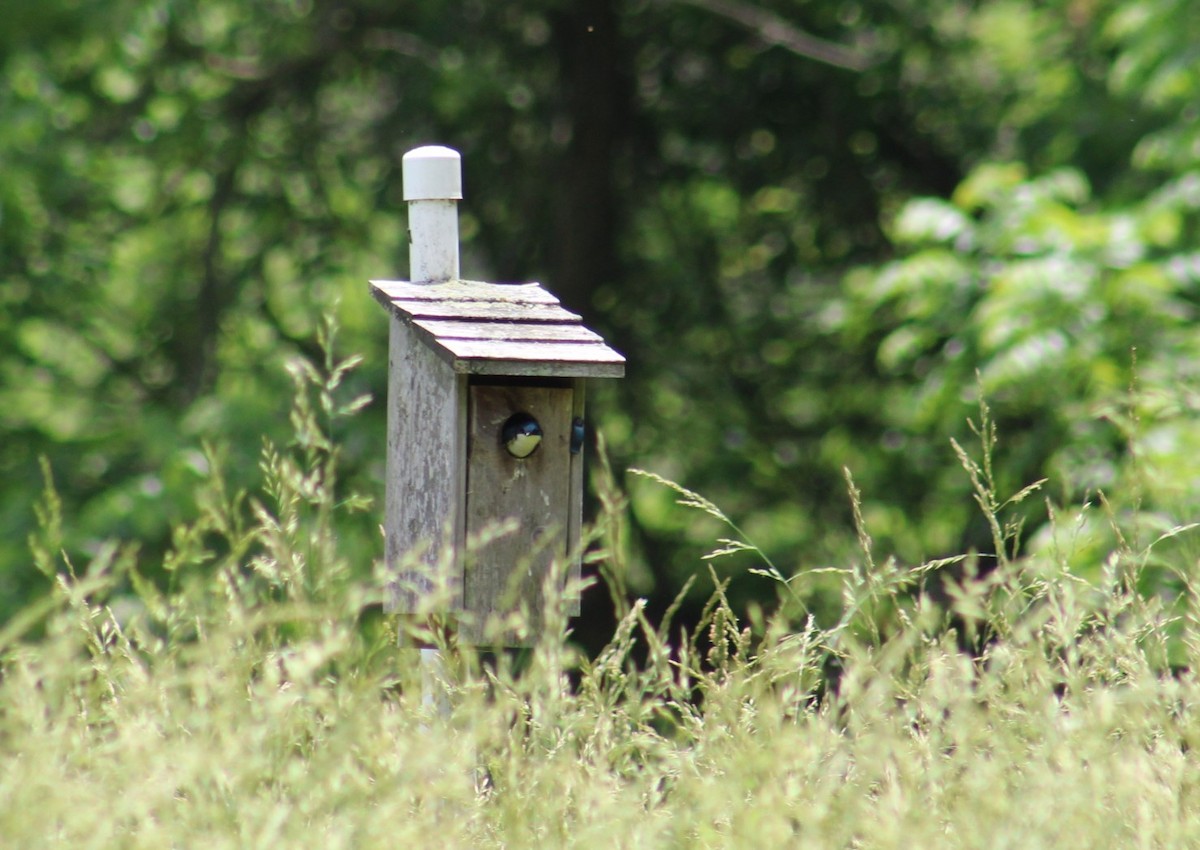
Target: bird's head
x,y
521,435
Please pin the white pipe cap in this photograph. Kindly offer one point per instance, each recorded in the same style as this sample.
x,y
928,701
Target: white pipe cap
x,y
433,173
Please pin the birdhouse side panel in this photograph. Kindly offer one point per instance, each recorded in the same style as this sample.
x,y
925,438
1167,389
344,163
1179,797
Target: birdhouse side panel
x,y
528,497
426,474
575,515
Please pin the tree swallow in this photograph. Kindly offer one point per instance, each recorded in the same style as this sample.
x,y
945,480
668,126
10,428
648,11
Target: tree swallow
x,y
521,435
577,434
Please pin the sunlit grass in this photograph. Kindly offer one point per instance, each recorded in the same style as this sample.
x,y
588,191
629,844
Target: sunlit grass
x,y
261,702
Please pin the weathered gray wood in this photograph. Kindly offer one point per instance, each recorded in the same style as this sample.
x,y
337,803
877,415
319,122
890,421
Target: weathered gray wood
x,y
527,331
575,514
534,491
463,290
537,368
426,468
500,329
556,352
485,311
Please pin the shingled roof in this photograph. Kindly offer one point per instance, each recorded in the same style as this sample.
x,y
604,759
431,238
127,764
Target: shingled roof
x,y
500,328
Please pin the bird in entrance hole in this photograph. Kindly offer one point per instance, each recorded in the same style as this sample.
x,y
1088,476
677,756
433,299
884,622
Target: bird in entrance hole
x,y
521,435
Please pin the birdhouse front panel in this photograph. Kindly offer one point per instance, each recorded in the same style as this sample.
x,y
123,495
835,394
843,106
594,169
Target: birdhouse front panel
x,y
520,500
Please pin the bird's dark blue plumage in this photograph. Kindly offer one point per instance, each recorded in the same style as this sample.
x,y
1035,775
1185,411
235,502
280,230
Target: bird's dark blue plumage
x,y
521,435
578,432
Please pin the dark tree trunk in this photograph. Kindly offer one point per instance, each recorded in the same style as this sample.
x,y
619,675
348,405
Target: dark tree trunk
x,y
583,254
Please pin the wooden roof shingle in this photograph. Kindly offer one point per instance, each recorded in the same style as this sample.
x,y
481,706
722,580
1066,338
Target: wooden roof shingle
x,y
500,328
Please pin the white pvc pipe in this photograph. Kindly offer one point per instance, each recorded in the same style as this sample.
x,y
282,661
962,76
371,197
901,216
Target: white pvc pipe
x,y
432,188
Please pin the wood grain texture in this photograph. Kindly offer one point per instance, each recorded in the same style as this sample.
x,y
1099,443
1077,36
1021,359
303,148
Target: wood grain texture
x,y
575,514
554,352
500,329
535,368
534,492
444,329
463,290
485,311
426,470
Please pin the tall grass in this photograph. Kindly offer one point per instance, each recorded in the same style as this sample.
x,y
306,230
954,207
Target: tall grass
x,y
259,703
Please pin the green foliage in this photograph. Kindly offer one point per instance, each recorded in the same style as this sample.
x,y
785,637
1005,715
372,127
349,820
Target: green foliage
x,y
1077,323
811,264
1152,67
1052,274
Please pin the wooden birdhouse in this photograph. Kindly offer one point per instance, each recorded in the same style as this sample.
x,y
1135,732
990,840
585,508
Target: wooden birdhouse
x,y
485,419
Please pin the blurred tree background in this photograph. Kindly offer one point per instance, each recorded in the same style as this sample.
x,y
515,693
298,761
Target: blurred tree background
x,y
819,230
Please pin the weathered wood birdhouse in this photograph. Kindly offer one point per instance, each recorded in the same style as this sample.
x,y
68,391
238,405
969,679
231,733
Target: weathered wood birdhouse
x,y
485,419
